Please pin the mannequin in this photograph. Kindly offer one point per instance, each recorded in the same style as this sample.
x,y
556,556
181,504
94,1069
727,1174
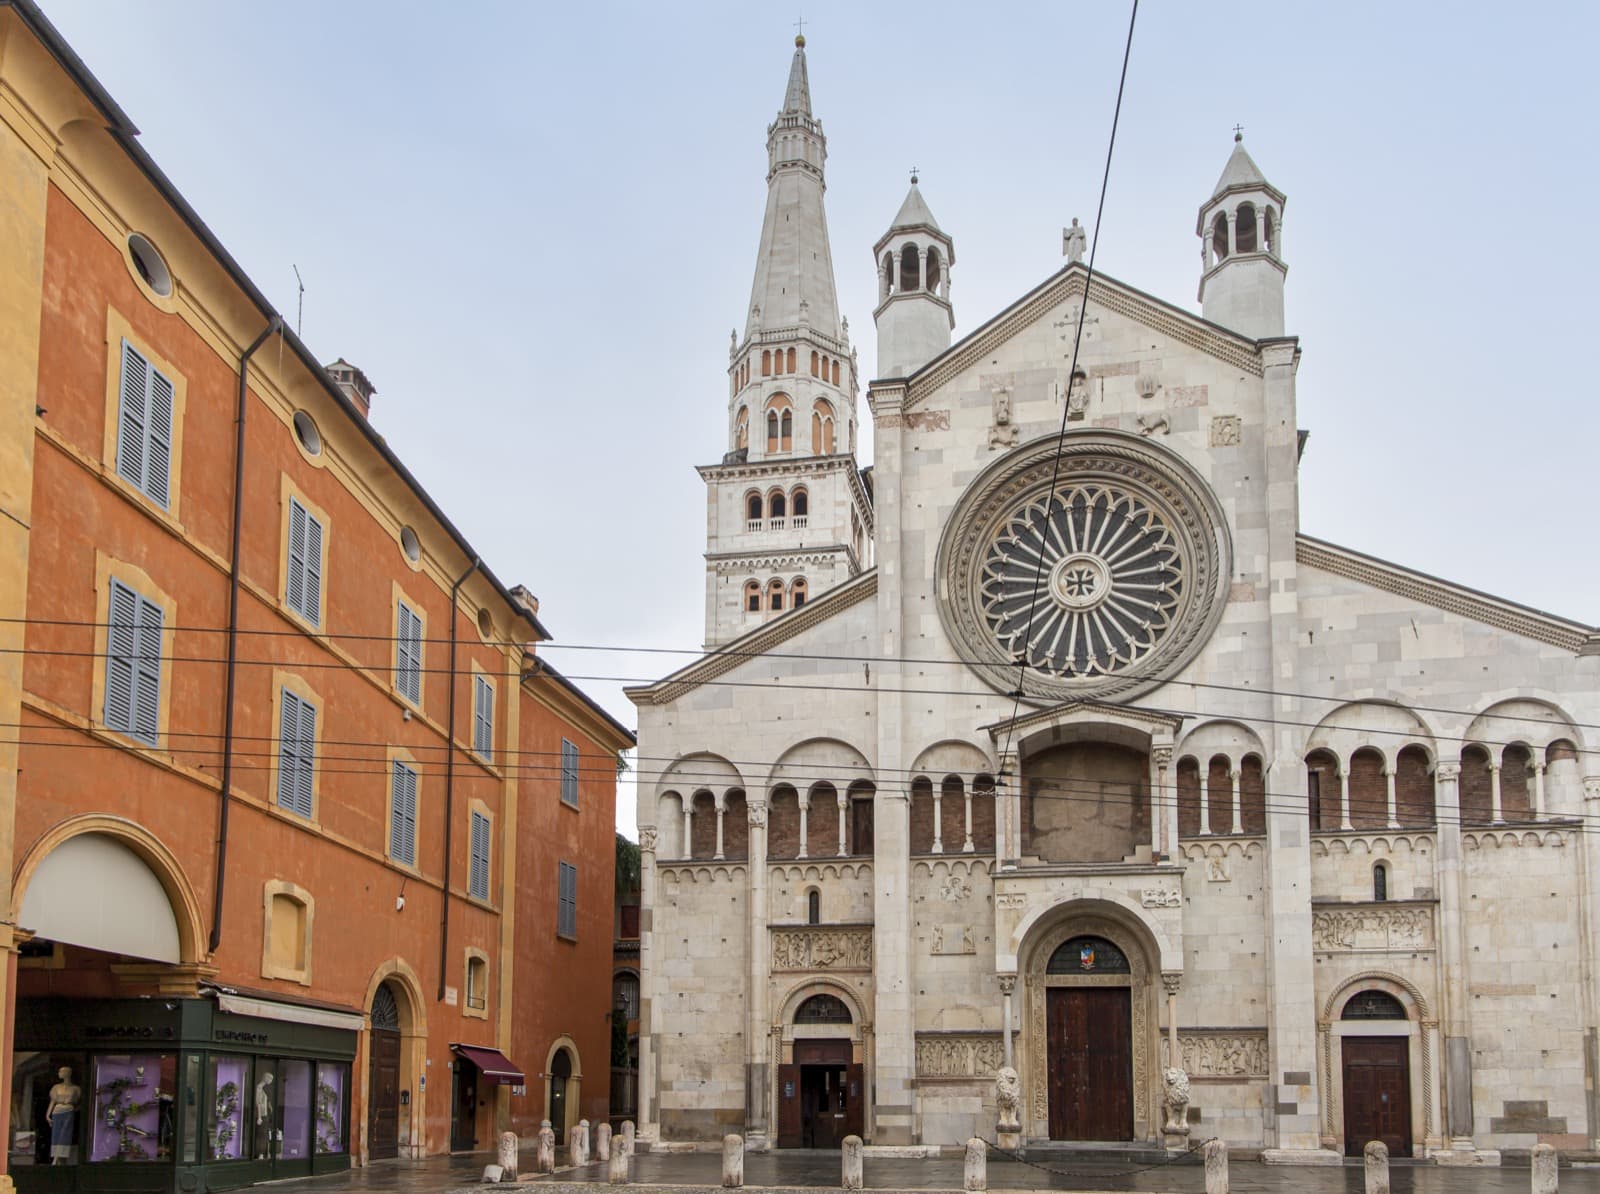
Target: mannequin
x,y
264,1110
62,1115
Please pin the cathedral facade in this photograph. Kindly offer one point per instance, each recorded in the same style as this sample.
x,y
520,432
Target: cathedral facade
x,y
1068,757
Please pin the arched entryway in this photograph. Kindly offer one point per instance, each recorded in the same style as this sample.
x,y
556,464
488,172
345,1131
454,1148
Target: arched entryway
x,y
1377,1055
1091,1055
383,1076
560,1077
397,1041
821,1088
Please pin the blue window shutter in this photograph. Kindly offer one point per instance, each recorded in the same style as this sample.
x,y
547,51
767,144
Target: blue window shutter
x,y
147,672
478,875
313,607
131,425
295,583
403,820
569,772
158,447
307,751
288,748
408,654
483,718
121,645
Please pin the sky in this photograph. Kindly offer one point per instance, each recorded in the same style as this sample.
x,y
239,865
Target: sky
x,y
533,225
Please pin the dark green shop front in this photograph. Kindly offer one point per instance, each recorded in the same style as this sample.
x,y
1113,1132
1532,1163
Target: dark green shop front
x,y
178,1094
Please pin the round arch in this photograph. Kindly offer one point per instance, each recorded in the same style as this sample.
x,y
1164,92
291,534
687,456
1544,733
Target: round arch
x,y
1421,1031
413,1008
572,1090
149,849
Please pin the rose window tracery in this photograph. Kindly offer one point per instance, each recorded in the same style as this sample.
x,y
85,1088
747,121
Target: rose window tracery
x,y
1098,563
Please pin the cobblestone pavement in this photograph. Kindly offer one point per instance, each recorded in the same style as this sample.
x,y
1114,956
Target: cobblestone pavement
x,y
809,1171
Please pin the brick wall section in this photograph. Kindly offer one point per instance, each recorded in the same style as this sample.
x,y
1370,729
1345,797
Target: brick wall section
x,y
1413,788
703,829
1476,806
921,815
1368,791
1188,797
1516,784
1253,792
1325,769
736,827
1220,794
783,824
822,824
953,814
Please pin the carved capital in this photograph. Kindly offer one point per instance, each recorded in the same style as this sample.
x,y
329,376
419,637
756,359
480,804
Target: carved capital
x,y
647,839
1008,983
1591,787
757,811
1172,981
1448,772
1162,755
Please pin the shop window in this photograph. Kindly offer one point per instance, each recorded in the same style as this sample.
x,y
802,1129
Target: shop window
x,y
291,1121
49,1107
569,773
226,1114
144,426
130,1120
330,1107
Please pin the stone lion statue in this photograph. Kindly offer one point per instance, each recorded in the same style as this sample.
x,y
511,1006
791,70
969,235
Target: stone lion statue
x,y
1008,1098
1177,1101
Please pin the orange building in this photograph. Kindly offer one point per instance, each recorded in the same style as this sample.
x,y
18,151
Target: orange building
x,y
296,822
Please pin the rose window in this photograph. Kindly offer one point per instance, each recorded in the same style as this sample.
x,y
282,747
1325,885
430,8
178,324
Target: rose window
x,y
1109,576
1090,567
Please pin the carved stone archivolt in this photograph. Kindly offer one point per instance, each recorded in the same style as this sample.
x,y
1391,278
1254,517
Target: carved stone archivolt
x,y
959,1055
1144,992
806,947
1112,622
1375,927
1224,1053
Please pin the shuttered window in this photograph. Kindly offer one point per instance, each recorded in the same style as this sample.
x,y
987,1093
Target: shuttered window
x,y
297,736
478,872
144,426
567,901
483,718
133,665
408,654
403,815
303,588
569,773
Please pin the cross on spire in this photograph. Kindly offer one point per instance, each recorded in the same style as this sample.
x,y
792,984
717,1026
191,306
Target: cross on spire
x,y
1238,132
800,31
914,172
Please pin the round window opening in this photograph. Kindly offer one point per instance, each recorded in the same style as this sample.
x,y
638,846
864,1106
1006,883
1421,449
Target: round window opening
x,y
305,430
410,544
485,624
1095,578
150,265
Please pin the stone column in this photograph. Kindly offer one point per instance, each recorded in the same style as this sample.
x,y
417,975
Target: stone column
x,y
966,846
1008,810
1008,984
1205,802
1538,791
1495,813
758,1013
688,827
1172,980
805,808
647,981
721,804
843,800
1453,951
1238,801
1159,798
1344,796
732,1161
602,1141
1591,904
1233,245
1393,805
938,818
1375,1160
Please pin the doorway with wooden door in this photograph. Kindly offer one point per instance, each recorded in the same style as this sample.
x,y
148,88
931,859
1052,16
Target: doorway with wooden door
x,y
560,1073
820,1096
383,1076
1377,1093
1091,1063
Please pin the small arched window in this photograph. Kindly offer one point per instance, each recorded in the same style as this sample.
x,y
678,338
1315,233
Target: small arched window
x,y
766,362
741,429
772,431
1219,236
801,503
752,597
752,507
814,363
933,270
625,995
1269,232
910,270
813,907
1380,882
790,368
822,1009
775,596
786,433
836,373
822,423
1373,1005
797,594
777,506
887,283
1244,229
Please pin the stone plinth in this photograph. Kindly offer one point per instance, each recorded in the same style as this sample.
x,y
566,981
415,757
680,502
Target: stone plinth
x,y
732,1161
602,1142
1546,1169
850,1160
1376,1160
976,1176
1215,1153
545,1158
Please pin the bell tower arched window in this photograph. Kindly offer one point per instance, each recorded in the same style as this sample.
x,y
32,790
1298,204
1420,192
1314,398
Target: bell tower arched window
x,y
752,596
786,431
1244,228
1219,236
775,595
797,593
822,425
801,503
910,270
777,505
932,271
752,507
741,429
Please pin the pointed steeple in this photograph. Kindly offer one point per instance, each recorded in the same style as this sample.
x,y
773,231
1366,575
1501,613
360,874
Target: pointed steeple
x,y
914,317
1241,249
914,212
794,265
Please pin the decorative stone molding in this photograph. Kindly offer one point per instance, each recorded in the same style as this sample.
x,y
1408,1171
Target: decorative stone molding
x,y
1172,981
1161,897
1376,927
647,839
1415,586
1008,983
955,1056
1490,839
824,868
951,939
1210,1054
818,947
698,872
1381,844
1225,431
757,812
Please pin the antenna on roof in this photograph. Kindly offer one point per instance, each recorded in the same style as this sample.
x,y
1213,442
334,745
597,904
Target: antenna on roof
x,y
300,303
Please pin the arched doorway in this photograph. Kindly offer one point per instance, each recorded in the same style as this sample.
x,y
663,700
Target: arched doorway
x,y
1376,1074
821,1087
383,1075
560,1077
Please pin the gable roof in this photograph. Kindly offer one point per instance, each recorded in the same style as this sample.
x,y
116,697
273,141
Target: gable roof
x,y
1457,599
757,642
1104,291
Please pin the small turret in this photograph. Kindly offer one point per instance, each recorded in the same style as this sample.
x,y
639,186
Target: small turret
x,y
1241,238
914,316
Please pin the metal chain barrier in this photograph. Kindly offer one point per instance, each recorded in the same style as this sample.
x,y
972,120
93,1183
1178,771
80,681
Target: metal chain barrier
x,y
1077,1174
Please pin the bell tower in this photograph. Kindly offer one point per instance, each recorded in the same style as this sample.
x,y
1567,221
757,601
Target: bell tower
x,y
1241,249
789,515
914,317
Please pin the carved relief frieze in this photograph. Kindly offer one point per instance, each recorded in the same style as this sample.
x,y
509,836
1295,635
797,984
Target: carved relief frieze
x,y
1372,927
951,939
1224,1053
1161,897
818,947
959,1055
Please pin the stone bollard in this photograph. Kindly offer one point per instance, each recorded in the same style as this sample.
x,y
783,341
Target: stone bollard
x,y
602,1142
578,1143
1377,1164
732,1161
627,1136
977,1175
1215,1153
508,1156
1546,1169
618,1171
491,1174
850,1152
545,1159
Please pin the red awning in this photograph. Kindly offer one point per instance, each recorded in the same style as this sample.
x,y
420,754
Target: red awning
x,y
496,1066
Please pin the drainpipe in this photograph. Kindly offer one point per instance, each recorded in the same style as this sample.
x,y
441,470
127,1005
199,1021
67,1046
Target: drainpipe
x,y
450,782
233,636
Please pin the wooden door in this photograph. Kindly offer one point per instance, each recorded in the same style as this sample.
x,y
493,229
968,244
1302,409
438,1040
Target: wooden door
x,y
789,1123
855,1099
464,1107
383,1095
1377,1093
1091,1063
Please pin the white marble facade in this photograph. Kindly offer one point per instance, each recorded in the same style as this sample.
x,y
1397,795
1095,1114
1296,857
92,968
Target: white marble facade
x,y
1287,782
